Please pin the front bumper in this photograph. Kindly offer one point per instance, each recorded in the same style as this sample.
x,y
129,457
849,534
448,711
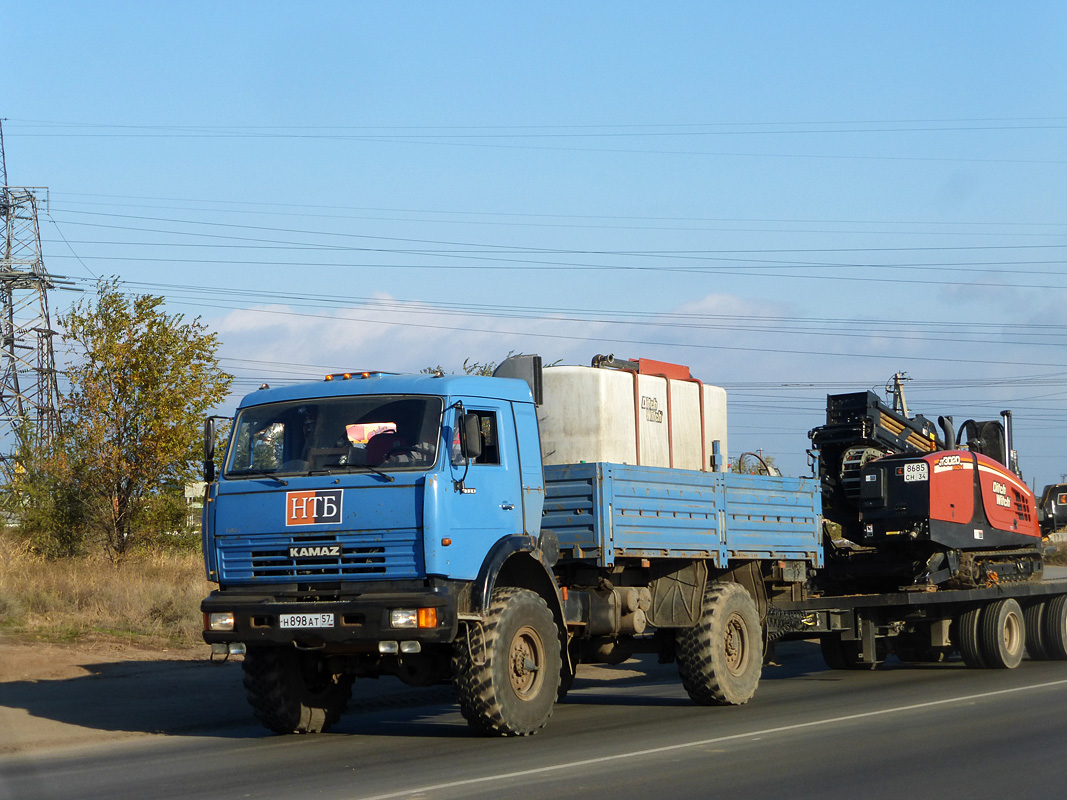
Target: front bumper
x,y
358,621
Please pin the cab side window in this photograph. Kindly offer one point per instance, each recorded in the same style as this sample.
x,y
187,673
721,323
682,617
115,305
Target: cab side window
x,y
488,429
490,444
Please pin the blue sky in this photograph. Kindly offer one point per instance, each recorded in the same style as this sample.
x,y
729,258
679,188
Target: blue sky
x,y
795,199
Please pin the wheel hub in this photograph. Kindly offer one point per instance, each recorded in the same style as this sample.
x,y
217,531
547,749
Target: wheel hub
x,y
734,645
527,654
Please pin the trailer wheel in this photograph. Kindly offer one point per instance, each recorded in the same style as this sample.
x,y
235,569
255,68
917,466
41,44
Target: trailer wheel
x,y
507,670
915,648
967,634
1034,619
1002,636
721,658
840,653
1055,628
290,692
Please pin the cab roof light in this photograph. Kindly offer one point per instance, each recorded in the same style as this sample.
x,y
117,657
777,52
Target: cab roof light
x,y
363,374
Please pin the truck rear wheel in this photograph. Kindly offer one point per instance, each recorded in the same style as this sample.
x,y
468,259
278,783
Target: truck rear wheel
x,y
721,658
1054,627
1002,634
507,671
290,692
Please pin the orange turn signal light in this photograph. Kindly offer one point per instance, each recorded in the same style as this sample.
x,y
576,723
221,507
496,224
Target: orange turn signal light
x,y
427,617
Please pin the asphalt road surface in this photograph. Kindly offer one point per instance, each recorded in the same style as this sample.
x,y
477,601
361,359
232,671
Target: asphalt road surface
x,y
898,732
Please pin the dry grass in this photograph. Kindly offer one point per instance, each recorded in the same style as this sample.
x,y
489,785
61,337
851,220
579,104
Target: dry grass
x,y
1058,557
149,600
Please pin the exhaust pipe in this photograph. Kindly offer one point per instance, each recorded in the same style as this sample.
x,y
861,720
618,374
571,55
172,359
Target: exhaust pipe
x,y
949,430
1011,461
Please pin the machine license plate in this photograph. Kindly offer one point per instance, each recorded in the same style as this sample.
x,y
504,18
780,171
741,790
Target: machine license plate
x,y
916,472
305,621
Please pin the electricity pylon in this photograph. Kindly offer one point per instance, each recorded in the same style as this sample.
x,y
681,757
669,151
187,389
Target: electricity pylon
x,y
29,388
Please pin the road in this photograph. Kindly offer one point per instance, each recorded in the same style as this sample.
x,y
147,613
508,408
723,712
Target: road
x,y
914,732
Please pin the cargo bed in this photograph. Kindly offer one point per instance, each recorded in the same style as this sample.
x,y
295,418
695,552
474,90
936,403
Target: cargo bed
x,y
606,512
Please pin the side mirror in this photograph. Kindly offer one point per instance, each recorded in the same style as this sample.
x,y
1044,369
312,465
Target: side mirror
x,y
470,436
209,450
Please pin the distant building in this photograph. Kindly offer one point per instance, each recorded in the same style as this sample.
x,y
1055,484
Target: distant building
x,y
194,503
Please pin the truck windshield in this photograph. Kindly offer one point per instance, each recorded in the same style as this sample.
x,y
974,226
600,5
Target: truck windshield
x,y
376,432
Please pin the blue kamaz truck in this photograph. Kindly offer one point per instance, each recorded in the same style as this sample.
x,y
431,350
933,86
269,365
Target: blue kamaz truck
x,y
493,532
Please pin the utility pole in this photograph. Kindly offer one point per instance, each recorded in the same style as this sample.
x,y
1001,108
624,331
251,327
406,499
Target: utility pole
x,y
896,388
29,389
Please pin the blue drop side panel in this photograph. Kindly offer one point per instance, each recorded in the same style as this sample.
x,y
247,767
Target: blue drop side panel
x,y
603,511
773,517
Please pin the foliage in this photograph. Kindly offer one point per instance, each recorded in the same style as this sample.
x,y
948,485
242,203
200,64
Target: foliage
x,y
470,367
139,388
754,464
42,495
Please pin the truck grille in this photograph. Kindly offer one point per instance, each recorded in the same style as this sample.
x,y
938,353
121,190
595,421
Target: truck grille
x,y
367,556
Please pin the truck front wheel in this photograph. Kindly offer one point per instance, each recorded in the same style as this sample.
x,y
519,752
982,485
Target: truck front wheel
x,y
507,670
720,659
290,692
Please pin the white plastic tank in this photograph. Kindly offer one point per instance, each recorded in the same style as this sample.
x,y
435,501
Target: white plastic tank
x,y
647,414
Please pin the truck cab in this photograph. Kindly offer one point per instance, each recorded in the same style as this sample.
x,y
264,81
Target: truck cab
x,y
354,514
1052,508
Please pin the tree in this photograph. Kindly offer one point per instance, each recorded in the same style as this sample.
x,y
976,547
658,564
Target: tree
x,y
470,367
41,496
140,383
754,464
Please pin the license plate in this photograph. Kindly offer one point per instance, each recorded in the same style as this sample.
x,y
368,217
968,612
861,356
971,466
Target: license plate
x,y
916,472
305,621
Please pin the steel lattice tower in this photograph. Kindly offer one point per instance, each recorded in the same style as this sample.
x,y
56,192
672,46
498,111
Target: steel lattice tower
x,y
29,389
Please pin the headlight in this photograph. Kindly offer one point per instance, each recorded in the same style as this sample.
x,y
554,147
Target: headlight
x,y
413,618
404,618
219,621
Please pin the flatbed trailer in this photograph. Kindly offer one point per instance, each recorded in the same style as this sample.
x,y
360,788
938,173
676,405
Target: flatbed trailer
x,y
990,626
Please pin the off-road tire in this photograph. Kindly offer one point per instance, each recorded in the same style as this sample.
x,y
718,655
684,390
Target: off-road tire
x,y
1002,634
290,693
507,670
720,659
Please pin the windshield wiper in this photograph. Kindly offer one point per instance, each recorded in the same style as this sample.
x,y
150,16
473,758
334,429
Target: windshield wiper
x,y
256,473
328,470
